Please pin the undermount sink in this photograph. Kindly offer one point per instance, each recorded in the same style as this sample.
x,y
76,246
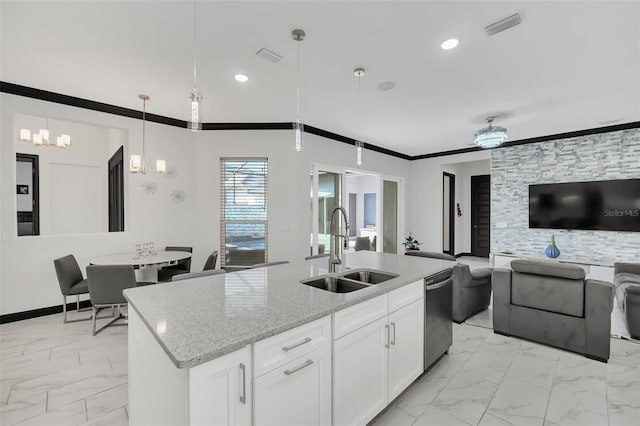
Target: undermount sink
x,y
334,284
370,276
347,282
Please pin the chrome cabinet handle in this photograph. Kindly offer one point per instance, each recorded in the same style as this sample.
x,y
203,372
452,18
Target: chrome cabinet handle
x,y
393,328
295,345
243,397
298,368
386,326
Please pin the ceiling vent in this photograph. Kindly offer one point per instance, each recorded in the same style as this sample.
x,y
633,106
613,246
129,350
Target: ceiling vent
x,y
268,55
503,24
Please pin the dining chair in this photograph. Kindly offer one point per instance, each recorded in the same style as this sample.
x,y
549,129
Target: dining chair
x,y
71,283
183,266
106,284
264,265
198,274
211,261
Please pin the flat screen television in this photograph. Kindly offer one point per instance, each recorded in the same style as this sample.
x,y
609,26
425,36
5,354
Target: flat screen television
x,y
607,205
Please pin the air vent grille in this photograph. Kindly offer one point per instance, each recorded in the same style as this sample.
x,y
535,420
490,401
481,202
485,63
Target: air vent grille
x,y
269,55
503,24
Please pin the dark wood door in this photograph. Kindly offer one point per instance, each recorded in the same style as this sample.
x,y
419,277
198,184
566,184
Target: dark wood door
x,y
480,215
116,191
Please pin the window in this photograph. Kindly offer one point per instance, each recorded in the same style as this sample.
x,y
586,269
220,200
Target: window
x,y
243,222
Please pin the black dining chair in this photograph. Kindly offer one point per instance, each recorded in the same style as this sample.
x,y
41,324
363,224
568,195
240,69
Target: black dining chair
x,y
71,283
106,284
211,261
182,267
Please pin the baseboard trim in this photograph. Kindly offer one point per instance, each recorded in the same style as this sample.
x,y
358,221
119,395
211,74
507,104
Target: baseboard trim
x,y
462,254
41,312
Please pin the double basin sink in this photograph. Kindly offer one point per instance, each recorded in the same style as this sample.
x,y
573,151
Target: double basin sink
x,y
349,281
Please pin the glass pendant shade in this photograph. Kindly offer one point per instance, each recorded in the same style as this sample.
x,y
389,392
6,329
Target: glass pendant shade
x,y
44,135
490,136
37,139
136,164
359,150
161,166
298,128
60,142
66,140
196,114
25,135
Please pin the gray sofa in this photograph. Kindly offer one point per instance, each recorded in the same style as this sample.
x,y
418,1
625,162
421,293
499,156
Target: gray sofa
x,y
627,282
471,289
552,303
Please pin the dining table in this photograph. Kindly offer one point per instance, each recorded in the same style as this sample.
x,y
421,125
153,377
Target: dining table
x,y
145,263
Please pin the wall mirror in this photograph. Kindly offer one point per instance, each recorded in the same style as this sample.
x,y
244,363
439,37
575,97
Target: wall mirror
x,y
71,190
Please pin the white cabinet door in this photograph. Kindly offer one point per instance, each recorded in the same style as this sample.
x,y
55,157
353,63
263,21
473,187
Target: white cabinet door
x,y
220,390
298,393
360,374
406,349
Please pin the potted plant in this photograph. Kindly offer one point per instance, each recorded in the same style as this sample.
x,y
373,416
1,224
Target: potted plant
x,y
411,243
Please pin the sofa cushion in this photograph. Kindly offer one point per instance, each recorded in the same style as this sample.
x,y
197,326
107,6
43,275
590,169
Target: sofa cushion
x,y
548,293
625,277
552,269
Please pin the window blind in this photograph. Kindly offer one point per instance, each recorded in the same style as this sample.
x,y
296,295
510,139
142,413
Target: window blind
x,y
243,222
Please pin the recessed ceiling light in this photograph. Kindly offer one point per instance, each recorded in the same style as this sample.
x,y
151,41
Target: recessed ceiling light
x,y
386,85
450,43
242,78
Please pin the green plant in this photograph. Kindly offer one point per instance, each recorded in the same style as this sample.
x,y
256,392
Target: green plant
x,y
411,243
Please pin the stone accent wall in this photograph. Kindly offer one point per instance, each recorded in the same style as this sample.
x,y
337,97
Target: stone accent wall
x,y
606,156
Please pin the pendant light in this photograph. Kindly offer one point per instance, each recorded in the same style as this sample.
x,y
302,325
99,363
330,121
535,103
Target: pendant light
x,y
298,35
490,136
359,73
195,97
138,162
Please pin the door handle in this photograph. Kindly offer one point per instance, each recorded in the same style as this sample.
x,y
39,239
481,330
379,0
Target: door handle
x,y
243,397
386,327
393,329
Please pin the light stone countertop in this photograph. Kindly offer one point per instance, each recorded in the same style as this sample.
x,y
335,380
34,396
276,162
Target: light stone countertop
x,y
200,319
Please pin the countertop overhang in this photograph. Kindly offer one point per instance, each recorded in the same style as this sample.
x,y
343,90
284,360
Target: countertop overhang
x,y
200,319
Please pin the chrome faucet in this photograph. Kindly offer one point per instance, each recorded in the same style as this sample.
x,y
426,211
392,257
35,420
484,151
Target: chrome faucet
x,y
334,246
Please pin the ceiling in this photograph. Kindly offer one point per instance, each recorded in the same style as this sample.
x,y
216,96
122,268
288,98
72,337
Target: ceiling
x,y
569,66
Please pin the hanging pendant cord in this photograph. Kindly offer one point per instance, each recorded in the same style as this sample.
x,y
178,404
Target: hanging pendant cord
x,y
144,115
195,46
359,113
298,92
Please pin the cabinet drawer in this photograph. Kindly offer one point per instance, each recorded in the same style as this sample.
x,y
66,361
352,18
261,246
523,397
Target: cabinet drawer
x,y
282,348
405,295
357,316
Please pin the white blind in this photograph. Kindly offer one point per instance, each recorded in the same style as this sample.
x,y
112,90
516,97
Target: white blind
x,y
244,204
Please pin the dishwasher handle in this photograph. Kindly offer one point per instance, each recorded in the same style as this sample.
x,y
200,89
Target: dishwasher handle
x,y
439,285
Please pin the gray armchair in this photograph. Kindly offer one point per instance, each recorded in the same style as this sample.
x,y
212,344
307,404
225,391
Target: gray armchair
x,y
471,289
106,284
552,303
71,282
362,243
627,282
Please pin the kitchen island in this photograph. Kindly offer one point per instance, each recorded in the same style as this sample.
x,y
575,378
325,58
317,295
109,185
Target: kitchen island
x,y
215,349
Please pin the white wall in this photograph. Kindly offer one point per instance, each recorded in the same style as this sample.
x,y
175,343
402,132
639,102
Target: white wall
x,y
425,197
27,276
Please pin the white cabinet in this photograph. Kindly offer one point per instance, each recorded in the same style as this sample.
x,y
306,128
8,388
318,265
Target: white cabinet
x,y
376,362
292,383
406,346
360,374
220,390
298,393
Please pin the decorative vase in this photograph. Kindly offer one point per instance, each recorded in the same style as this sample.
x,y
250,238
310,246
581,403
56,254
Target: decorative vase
x,y
552,251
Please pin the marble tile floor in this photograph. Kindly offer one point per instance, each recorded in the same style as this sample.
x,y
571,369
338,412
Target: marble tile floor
x,y
59,374
489,379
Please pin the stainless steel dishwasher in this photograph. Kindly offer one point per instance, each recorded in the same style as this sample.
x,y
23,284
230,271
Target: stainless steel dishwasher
x,y
438,331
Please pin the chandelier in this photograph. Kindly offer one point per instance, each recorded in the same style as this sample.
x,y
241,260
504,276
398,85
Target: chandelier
x,y
41,137
490,136
137,164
